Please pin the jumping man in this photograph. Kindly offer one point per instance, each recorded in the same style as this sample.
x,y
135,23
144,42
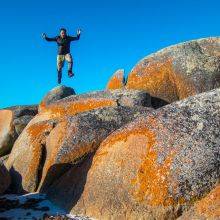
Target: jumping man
x,y
63,42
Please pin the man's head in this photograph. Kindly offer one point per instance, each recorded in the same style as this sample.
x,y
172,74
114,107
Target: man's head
x,y
62,32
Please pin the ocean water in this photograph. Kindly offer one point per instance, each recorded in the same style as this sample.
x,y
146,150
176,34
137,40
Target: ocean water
x,y
31,206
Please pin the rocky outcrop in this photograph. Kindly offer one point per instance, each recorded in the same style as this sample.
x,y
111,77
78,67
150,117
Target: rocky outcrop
x,y
125,152
12,122
5,179
31,144
56,94
206,208
179,71
46,149
76,104
117,81
153,168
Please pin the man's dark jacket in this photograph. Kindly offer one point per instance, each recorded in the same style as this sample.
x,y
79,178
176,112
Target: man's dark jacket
x,y
63,43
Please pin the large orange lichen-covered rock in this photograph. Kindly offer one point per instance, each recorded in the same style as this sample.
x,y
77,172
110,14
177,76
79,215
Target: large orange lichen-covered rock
x,y
12,122
152,168
179,71
206,208
46,149
117,81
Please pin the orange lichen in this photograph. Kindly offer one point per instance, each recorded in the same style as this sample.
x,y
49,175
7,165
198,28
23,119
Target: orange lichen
x,y
117,81
160,80
72,108
116,137
209,206
138,128
36,129
152,180
41,106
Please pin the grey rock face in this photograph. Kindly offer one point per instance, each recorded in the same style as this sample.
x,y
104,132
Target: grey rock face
x,y
23,110
194,123
21,122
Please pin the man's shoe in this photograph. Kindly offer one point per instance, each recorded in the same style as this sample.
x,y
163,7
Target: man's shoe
x,y
70,73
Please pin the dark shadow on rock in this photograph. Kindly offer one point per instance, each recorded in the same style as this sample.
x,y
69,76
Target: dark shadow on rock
x,y
54,173
41,163
158,103
5,179
16,183
67,190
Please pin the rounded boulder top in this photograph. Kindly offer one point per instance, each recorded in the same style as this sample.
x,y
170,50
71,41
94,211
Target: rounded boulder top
x,y
179,71
117,81
56,94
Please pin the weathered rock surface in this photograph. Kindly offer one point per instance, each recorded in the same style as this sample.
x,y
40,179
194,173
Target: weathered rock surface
x,y
117,81
56,94
23,110
46,149
12,122
5,179
207,208
75,104
153,168
179,71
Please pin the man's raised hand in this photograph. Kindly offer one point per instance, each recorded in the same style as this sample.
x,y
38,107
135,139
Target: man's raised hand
x,y
44,35
78,31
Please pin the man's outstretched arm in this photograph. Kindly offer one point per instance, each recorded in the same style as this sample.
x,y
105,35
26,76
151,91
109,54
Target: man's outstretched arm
x,y
72,38
44,36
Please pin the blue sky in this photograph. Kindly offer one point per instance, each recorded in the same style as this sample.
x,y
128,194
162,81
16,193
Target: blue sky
x,y
116,34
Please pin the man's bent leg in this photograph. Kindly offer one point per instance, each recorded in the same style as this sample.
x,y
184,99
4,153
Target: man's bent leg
x,y
60,63
69,59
